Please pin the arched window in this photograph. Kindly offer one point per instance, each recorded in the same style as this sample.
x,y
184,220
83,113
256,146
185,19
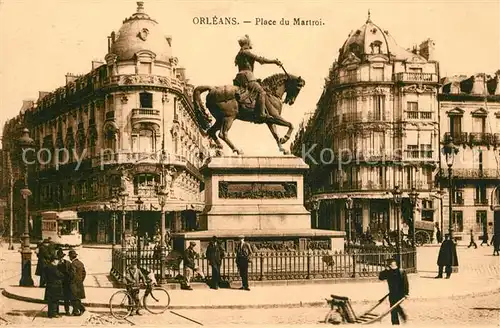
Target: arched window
x,y
110,140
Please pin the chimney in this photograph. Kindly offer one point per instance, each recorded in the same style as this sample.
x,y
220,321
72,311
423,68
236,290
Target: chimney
x,y
426,49
96,64
455,87
27,104
42,94
70,78
478,87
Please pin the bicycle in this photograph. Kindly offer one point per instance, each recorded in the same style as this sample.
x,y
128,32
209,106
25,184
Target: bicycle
x,y
155,300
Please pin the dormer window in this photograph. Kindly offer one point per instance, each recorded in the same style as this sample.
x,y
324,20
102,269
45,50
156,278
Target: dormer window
x,y
376,47
146,99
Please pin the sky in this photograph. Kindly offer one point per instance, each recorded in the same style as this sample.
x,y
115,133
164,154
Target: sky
x,y
41,41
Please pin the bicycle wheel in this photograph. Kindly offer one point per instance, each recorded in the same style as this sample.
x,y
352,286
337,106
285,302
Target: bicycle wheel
x,y
120,304
157,301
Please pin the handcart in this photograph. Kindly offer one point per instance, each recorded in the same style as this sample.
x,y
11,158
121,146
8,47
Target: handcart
x,y
340,307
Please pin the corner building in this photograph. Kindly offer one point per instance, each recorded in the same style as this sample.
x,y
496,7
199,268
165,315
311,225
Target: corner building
x,y
378,116
116,120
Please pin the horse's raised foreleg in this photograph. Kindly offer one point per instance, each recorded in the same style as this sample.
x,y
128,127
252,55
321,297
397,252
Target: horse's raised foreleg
x,y
223,134
272,128
278,120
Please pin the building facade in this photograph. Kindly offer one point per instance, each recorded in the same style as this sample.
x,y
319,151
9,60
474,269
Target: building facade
x,y
470,116
375,127
109,129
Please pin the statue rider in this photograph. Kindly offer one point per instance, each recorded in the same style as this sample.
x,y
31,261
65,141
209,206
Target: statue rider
x,y
245,60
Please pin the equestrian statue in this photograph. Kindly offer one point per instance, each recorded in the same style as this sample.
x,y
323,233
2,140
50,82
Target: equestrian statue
x,y
249,99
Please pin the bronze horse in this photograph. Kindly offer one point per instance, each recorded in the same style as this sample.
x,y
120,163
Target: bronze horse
x,y
222,102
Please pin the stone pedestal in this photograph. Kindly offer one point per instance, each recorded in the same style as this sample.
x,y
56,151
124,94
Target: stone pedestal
x,y
261,198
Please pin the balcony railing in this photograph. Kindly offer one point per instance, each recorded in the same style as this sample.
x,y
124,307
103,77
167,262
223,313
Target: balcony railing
x,y
416,77
458,138
496,139
480,139
351,117
145,114
476,173
483,201
419,154
108,158
418,115
457,201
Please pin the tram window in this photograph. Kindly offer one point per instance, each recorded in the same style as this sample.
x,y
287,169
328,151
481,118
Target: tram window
x,y
67,227
49,226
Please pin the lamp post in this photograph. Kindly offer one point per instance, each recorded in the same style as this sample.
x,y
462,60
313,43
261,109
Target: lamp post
x,y
413,200
396,194
162,199
123,197
114,205
348,205
450,150
26,143
138,202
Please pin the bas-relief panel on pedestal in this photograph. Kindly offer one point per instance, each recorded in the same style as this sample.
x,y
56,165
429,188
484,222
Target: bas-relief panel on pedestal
x,y
255,190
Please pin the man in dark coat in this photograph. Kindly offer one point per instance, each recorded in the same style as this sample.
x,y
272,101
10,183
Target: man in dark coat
x,y
472,241
243,258
495,241
190,267
64,267
447,257
43,259
398,289
53,288
77,276
215,254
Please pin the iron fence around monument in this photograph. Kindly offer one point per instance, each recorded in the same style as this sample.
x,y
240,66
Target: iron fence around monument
x,y
298,265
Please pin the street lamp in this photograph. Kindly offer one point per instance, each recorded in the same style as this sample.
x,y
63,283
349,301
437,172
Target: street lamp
x,y
138,202
114,206
26,143
162,199
413,200
396,194
450,150
123,194
348,205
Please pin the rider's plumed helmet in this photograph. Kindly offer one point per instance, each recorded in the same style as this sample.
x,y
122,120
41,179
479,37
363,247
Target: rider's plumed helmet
x,y
245,41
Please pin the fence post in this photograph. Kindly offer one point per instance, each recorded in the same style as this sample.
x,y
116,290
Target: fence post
x,y
353,265
309,256
261,258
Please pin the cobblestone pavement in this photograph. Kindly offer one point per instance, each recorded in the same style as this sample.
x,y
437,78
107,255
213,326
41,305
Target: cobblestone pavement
x,y
476,311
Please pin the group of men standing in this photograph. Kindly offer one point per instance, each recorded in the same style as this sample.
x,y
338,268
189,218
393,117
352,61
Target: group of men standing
x,y
215,254
62,279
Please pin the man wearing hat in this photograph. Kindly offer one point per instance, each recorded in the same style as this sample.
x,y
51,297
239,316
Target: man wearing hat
x,y
64,267
133,277
397,281
77,276
215,254
43,260
190,267
53,287
447,257
243,258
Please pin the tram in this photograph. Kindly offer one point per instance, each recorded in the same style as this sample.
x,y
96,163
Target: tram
x,y
62,228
